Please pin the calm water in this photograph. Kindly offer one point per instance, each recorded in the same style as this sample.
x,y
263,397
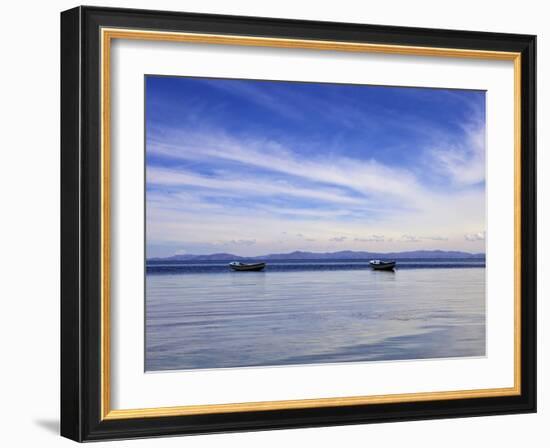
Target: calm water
x,y
201,315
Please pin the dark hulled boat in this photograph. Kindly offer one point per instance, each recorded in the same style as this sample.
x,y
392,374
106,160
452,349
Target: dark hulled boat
x,y
380,265
238,266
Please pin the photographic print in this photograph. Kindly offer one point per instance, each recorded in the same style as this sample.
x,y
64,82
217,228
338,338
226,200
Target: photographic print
x,y
292,223
275,224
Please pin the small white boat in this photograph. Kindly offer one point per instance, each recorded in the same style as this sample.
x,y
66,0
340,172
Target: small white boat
x,y
238,266
380,265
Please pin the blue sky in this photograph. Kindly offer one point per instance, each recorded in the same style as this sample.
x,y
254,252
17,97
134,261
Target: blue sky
x,y
254,167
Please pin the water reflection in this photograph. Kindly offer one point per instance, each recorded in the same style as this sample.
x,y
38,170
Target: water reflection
x,y
233,319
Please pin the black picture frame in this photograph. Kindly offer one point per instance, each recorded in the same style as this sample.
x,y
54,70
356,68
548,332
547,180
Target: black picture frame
x,y
81,224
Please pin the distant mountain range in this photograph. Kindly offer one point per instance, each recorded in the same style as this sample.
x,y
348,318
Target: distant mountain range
x,y
341,255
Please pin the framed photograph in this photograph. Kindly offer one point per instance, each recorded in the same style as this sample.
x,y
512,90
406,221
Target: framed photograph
x,y
274,223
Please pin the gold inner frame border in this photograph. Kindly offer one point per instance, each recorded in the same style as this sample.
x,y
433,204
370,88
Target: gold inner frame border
x,y
107,35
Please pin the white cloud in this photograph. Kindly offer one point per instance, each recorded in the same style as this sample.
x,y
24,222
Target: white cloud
x,y
479,236
410,238
463,162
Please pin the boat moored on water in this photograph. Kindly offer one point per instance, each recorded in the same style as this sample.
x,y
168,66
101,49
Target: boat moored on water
x,y
379,265
238,266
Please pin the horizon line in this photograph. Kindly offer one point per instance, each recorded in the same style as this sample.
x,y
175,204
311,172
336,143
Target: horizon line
x,y
314,253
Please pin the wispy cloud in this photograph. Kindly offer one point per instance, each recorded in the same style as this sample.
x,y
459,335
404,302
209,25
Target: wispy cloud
x,y
463,161
361,176
338,239
371,239
342,188
254,93
242,242
250,186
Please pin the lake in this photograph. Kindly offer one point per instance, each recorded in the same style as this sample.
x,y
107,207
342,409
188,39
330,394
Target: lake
x,y
201,315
